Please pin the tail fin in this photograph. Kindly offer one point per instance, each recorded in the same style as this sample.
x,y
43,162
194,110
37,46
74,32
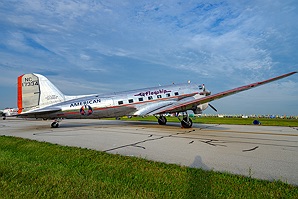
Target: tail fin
x,y
36,91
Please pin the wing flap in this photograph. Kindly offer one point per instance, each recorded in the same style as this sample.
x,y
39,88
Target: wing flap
x,y
192,103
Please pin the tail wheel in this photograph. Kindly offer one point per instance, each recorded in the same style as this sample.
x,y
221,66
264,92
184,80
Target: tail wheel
x,y
55,125
186,123
162,120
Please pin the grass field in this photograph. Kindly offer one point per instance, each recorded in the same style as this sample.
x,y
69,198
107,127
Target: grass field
x,y
226,120
31,169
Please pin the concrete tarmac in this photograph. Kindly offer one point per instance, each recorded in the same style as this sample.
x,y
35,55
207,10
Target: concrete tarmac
x,y
263,152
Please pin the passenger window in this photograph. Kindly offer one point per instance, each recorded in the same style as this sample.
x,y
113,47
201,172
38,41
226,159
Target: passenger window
x,y
120,102
176,93
141,99
150,98
158,96
130,101
168,95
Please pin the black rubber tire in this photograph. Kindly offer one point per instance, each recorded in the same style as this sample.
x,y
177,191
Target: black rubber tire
x,y
162,120
186,124
55,125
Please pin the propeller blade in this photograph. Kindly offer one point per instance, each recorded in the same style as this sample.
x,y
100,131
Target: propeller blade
x,y
212,107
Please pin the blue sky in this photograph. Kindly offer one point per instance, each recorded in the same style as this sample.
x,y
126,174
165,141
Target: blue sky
x,y
103,46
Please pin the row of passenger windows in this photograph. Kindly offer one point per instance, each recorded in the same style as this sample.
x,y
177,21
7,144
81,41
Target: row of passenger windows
x,y
141,99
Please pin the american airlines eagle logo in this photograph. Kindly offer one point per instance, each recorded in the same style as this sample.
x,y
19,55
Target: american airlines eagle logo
x,y
86,110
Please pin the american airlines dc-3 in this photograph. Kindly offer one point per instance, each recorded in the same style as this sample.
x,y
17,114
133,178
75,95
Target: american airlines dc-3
x,y
39,98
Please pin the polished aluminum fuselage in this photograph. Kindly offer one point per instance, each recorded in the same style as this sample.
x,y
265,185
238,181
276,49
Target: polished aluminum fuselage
x,y
129,103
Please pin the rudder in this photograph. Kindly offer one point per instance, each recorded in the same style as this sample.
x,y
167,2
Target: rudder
x,y
36,91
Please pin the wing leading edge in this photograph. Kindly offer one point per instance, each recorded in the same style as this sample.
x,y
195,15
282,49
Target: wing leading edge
x,y
183,106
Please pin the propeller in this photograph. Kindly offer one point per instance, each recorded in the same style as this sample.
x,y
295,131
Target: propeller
x,y
213,107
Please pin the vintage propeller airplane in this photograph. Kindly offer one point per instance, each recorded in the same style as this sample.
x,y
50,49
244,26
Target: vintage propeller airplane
x,y
39,98
8,112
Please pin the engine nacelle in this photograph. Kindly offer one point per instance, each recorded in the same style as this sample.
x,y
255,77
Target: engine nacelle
x,y
200,108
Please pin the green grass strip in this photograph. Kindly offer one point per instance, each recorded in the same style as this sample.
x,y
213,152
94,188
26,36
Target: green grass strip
x,y
31,169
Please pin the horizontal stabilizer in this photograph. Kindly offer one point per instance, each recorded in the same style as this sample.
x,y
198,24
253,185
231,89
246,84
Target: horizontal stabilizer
x,y
41,111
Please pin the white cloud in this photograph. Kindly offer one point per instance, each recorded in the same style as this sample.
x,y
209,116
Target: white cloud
x,y
85,57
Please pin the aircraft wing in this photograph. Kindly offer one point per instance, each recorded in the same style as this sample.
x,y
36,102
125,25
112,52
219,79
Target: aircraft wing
x,y
192,103
40,111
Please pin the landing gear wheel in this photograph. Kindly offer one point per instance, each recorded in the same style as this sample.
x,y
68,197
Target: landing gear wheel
x,y
55,125
162,120
186,123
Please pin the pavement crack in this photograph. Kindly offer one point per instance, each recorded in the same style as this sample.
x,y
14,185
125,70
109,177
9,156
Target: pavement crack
x,y
185,132
136,144
213,143
139,146
252,149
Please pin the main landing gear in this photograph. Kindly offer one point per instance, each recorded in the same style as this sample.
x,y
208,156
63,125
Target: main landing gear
x,y
186,122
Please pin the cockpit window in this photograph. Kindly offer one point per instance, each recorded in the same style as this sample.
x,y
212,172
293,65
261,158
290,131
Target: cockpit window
x,y
200,87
